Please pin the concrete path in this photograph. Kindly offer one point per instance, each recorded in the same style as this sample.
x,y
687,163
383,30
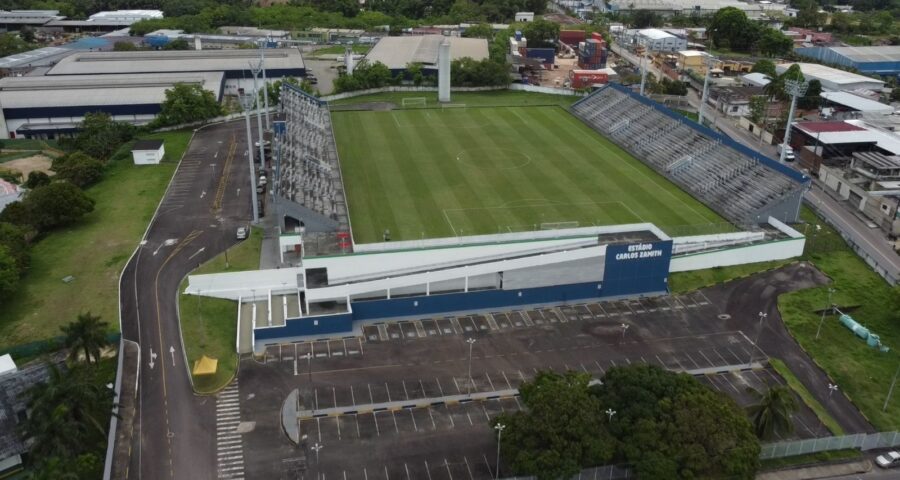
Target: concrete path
x,y
480,396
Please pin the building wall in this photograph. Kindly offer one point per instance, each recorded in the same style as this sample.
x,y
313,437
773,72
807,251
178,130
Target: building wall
x,y
761,252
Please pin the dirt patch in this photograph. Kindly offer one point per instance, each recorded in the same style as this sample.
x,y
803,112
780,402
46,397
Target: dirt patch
x,y
39,163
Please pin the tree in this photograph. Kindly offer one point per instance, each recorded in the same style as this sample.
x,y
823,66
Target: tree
x,y
275,88
177,44
366,75
186,103
470,73
541,33
27,34
772,43
772,413
764,66
55,205
482,30
123,46
560,430
731,29
775,88
11,44
9,273
87,335
646,19
36,179
78,168
812,99
670,425
14,239
99,135
758,106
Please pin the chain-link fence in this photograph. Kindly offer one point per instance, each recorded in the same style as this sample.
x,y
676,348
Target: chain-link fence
x,y
861,441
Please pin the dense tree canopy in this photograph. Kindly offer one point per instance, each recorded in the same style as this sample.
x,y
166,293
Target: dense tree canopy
x,y
541,34
766,67
560,431
366,75
9,273
79,168
470,73
772,43
45,208
187,103
99,135
15,239
671,426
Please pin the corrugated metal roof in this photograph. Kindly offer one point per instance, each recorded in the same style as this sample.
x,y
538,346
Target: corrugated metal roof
x,y
885,53
828,74
856,102
96,90
879,161
83,63
398,52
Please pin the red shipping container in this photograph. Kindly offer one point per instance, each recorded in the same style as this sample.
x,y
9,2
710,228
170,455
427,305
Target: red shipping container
x,y
597,36
586,78
571,37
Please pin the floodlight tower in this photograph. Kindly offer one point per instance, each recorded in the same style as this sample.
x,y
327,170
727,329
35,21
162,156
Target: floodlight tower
x,y
262,65
247,104
444,71
710,63
643,73
795,88
255,69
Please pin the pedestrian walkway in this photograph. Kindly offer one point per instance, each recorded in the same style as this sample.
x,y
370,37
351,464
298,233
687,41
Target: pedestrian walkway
x,y
229,444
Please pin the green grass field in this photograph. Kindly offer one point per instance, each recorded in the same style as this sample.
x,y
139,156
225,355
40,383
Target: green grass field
x,y
439,173
94,251
493,98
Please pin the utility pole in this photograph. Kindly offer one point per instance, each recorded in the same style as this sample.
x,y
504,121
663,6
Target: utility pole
x,y
255,69
891,390
247,104
710,63
795,88
829,306
762,316
262,65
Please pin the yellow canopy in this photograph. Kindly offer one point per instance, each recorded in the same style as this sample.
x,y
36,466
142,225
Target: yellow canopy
x,y
205,366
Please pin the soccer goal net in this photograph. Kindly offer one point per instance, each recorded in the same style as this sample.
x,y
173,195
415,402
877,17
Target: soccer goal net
x,y
445,106
414,102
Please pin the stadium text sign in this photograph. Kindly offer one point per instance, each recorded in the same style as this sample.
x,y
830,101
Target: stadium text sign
x,y
640,250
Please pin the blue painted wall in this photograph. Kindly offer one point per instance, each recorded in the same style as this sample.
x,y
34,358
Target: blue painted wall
x,y
638,268
297,327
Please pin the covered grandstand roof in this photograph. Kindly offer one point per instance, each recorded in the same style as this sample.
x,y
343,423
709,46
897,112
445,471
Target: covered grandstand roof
x,y
92,63
398,52
96,90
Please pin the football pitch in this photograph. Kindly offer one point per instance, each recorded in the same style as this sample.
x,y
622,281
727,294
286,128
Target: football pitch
x,y
429,173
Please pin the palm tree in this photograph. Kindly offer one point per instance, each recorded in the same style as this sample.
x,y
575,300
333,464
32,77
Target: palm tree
x,y
86,334
772,413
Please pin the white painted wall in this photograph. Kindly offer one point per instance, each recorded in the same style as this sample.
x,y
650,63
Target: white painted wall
x,y
148,157
760,252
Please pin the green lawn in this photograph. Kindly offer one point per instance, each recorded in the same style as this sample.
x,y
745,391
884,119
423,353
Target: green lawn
x,y
94,252
801,391
494,98
208,325
436,173
811,459
681,282
863,373
29,144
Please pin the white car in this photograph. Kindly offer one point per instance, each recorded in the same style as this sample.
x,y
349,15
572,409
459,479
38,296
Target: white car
x,y
888,460
242,233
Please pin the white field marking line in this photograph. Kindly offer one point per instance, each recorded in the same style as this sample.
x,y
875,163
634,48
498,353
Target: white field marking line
x,y
545,203
626,161
449,222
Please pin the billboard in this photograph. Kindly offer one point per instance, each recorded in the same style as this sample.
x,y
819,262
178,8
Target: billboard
x,y
637,268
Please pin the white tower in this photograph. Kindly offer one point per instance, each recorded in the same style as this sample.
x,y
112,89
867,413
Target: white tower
x,y
348,59
444,71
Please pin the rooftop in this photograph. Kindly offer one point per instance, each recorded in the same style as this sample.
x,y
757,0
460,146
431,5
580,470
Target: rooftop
x,y
856,102
828,127
885,53
398,52
98,90
759,79
655,33
153,61
850,131
878,160
693,53
146,145
828,74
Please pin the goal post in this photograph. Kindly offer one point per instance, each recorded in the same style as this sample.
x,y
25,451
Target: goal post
x,y
414,102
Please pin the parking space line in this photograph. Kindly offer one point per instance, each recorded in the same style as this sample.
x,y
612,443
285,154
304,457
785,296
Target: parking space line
x,y
371,398
396,428
405,392
413,417
691,359
420,329
602,370
521,375
677,362
470,419
492,323
356,420
440,388
316,394
486,416
319,428
427,469
489,380
352,396
506,378
431,414
377,429
724,362
359,340
334,395
457,385
450,417
388,390
337,421
447,464
468,469
711,364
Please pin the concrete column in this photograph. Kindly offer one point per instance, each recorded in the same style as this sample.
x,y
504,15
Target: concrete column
x,y
444,71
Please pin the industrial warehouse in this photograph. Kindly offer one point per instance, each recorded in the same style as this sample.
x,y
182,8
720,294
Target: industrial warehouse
x,y
130,86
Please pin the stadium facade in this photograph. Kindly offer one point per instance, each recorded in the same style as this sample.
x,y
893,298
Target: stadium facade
x,y
334,295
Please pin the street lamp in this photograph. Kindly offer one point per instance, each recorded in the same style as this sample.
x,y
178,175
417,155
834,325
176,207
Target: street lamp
x,y
308,357
316,449
624,329
609,413
762,316
499,428
830,305
831,389
470,341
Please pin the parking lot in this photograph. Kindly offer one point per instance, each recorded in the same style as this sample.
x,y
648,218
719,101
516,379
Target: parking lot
x,y
416,364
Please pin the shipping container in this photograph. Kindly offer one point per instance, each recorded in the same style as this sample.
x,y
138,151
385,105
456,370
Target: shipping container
x,y
571,37
586,78
597,36
548,55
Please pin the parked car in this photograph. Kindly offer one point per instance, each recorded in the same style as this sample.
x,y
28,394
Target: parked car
x,y
241,233
888,460
789,153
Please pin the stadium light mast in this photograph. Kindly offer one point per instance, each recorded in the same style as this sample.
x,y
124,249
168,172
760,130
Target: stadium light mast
x,y
255,69
710,63
262,65
643,73
247,104
795,88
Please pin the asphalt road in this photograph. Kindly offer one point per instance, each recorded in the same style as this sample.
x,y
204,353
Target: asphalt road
x,y
205,203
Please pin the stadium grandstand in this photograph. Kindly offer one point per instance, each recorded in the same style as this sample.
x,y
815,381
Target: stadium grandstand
x,y
308,173
740,184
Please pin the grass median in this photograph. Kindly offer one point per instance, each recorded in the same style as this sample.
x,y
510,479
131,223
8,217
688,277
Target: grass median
x,y
209,325
93,252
